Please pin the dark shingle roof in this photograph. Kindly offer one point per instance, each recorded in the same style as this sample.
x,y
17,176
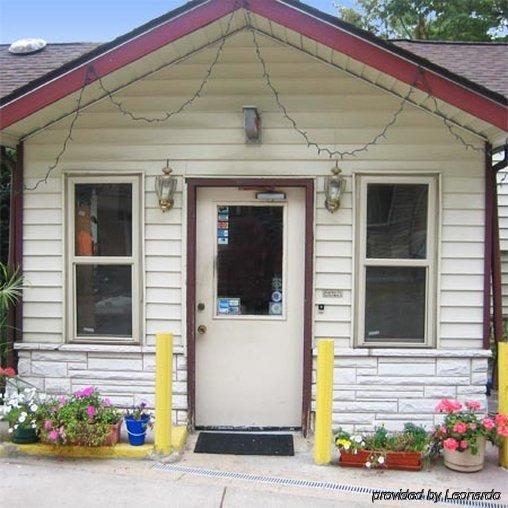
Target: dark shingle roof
x,y
18,70
485,63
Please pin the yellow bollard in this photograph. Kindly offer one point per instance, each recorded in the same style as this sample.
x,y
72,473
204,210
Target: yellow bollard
x,y
324,396
163,392
502,366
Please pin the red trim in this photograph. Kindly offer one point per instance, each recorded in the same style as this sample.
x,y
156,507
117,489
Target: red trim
x,y
15,317
382,60
287,16
192,185
115,59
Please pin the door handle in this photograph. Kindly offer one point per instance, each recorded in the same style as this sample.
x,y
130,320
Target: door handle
x,y
201,329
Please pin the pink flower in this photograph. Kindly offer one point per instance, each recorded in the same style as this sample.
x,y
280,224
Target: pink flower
x,y
62,400
448,406
502,431
106,401
450,443
53,435
442,429
473,405
90,411
460,428
47,425
463,444
501,420
488,423
85,392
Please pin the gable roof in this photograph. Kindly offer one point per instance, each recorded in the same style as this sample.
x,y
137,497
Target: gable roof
x,y
20,70
484,63
359,45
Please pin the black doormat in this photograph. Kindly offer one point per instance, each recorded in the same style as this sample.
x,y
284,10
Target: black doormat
x,y
236,443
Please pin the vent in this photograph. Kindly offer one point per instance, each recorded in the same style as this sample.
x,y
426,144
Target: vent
x,y
27,46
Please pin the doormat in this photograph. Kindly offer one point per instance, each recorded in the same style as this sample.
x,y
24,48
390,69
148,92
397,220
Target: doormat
x,y
235,443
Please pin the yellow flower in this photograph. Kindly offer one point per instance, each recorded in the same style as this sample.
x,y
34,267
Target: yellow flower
x,y
343,443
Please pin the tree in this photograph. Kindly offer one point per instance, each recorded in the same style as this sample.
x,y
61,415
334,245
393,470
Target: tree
x,y
446,20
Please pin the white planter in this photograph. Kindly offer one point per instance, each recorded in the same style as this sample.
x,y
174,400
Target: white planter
x,y
465,461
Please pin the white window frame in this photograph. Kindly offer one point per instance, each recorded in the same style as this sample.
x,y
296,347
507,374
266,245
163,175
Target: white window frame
x,y
134,260
430,262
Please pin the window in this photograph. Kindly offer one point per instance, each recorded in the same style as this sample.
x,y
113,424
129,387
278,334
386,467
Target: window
x,y
249,260
103,261
396,260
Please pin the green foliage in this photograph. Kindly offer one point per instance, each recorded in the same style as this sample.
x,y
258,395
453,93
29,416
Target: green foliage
x,y
446,20
7,163
11,282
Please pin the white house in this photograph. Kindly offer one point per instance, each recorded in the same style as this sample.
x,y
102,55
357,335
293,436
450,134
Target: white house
x,y
249,269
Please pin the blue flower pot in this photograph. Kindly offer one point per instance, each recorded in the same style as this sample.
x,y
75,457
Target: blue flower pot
x,y
136,429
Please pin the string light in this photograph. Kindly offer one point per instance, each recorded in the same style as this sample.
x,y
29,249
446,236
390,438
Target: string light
x,y
311,143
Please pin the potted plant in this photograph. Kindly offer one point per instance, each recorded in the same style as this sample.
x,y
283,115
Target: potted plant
x,y
137,419
402,450
21,405
463,434
83,419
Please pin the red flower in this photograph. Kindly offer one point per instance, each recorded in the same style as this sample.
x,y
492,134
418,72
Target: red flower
x,y
460,428
450,443
464,444
8,372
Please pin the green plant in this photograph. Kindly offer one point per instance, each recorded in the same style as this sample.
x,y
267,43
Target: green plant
x,y
412,439
139,412
84,418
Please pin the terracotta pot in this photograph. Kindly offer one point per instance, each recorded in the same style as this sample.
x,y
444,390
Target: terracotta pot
x,y
403,461
114,436
465,461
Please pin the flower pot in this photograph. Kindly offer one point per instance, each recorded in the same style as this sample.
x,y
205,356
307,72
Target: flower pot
x,y
402,461
114,436
465,461
136,429
23,435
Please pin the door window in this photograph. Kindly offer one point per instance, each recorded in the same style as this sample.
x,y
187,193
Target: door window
x,y
249,260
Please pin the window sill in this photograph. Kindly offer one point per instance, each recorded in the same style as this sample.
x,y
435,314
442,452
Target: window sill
x,y
410,352
92,348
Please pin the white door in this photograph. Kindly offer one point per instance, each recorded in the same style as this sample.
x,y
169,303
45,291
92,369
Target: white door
x,y
249,308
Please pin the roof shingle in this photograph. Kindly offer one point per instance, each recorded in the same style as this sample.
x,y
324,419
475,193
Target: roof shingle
x,y
18,70
485,63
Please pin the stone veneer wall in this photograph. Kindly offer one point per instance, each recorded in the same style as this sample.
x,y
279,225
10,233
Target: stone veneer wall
x,y
371,387
125,374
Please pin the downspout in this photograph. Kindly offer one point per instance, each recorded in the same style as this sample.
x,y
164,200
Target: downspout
x,y
490,190
496,268
15,319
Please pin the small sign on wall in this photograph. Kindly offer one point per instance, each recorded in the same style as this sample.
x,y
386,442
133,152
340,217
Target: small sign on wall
x,y
332,293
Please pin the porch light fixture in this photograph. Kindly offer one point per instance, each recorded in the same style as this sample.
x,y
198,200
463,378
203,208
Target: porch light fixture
x,y
165,186
335,185
252,124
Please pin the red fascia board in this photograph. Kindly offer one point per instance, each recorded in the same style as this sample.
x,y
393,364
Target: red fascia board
x,y
115,59
382,60
313,28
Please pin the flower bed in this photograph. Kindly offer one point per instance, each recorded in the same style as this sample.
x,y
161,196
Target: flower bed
x,y
382,449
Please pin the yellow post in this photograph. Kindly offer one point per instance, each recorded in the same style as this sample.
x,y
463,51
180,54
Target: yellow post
x,y
163,392
324,396
502,369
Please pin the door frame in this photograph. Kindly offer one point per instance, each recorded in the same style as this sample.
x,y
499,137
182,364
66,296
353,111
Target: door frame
x,y
192,186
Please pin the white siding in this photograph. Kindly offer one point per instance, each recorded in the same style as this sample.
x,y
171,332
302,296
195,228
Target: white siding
x,y
208,140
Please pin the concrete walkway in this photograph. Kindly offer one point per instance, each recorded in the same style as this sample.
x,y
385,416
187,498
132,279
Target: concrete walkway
x,y
36,482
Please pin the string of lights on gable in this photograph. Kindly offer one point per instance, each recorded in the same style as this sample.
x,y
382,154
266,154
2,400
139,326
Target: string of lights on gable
x,y
333,154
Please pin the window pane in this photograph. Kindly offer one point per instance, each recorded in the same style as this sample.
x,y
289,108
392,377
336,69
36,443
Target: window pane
x,y
397,221
104,300
395,304
249,261
103,215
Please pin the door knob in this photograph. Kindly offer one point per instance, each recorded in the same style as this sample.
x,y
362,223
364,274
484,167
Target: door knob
x,y
201,329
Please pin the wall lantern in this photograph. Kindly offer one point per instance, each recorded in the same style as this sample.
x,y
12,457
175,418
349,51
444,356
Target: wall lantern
x,y
252,124
334,187
165,186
